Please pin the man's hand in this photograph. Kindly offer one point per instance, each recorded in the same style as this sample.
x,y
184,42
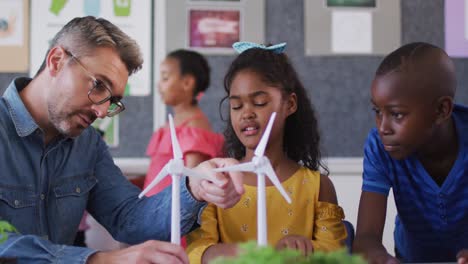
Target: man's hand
x,y
225,188
462,257
297,242
149,252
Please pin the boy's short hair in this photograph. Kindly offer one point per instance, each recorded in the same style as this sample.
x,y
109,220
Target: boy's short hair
x,y
427,62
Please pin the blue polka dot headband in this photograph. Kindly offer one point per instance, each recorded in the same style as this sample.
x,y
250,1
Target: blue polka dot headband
x,y
243,46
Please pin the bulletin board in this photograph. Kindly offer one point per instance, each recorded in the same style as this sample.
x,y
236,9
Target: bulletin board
x,y
338,86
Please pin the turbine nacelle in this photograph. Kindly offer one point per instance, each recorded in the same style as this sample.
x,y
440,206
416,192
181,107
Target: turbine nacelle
x,y
175,166
259,162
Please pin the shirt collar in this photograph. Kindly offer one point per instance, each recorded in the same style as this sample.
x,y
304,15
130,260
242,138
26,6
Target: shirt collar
x,y
459,116
22,119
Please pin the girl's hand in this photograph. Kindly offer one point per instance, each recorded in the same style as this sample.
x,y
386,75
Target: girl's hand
x,y
462,257
224,189
297,242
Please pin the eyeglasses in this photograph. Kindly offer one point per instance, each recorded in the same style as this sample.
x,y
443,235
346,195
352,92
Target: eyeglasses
x,y
100,92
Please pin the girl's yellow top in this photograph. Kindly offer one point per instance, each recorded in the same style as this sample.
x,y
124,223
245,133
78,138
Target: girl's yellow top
x,y
306,216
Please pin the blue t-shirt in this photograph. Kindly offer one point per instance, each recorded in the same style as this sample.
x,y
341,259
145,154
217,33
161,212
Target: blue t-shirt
x,y
432,221
44,191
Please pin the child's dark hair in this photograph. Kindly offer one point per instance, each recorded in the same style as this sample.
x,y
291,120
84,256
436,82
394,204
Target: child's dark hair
x,y
301,134
195,64
408,58
398,58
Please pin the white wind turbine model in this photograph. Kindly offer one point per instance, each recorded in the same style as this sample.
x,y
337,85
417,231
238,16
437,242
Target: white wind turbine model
x,y
261,165
176,168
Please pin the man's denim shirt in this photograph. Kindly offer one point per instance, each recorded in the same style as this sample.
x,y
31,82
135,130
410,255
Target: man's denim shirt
x,y
44,191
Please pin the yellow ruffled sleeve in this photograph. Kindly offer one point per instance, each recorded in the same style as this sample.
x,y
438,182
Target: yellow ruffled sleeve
x,y
329,231
203,237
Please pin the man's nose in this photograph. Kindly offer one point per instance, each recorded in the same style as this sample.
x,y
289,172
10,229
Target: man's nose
x,y
101,109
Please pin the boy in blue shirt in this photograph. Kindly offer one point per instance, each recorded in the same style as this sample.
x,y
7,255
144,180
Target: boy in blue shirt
x,y
418,149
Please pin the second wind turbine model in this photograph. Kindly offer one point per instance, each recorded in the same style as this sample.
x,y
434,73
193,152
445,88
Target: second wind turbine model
x,y
261,165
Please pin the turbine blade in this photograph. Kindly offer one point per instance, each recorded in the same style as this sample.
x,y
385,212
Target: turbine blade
x,y
175,143
270,173
161,175
207,176
248,166
260,150
193,173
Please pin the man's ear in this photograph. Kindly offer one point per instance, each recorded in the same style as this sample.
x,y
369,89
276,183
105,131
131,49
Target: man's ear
x,y
444,108
55,60
291,103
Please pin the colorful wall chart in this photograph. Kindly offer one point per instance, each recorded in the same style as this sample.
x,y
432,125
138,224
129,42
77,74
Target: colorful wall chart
x,y
133,17
14,35
11,23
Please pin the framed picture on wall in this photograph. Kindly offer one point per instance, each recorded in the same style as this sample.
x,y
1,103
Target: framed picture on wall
x,y
351,27
212,26
351,3
213,30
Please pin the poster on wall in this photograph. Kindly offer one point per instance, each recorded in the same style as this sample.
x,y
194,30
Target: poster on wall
x,y
456,28
351,27
351,32
132,16
212,26
11,23
14,31
213,29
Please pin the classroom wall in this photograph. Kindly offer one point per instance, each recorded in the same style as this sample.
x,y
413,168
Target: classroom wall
x,y
348,190
337,85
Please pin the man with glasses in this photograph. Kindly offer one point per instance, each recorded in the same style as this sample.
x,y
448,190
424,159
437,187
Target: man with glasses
x,y
99,92
54,165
